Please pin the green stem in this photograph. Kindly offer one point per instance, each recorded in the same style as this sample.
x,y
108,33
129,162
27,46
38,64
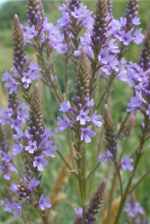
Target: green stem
x,y
81,166
137,160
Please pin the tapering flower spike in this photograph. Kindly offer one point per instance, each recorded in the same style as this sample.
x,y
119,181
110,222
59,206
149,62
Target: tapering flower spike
x,y
100,26
84,77
35,13
95,204
132,14
37,126
145,54
73,4
19,55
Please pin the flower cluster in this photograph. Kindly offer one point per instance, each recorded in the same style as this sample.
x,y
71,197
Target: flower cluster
x,y
133,209
81,116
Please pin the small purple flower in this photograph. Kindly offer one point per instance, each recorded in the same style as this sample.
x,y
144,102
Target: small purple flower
x,y
13,208
29,33
87,134
44,203
40,163
83,117
14,187
138,37
63,123
97,120
10,83
31,147
33,184
78,212
17,149
30,75
105,157
136,21
127,164
133,209
65,107
134,104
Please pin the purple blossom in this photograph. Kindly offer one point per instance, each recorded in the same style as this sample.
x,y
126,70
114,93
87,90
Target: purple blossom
x,y
40,163
63,123
85,46
87,134
33,184
138,37
31,147
83,117
17,149
97,120
47,145
105,157
10,83
44,203
30,75
13,208
29,33
7,168
133,209
136,21
134,104
65,107
127,164
78,212
82,15
54,37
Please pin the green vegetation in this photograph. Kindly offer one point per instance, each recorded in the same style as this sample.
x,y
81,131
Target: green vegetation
x,y
6,13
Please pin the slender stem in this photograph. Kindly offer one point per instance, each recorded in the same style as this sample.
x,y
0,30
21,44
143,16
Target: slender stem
x,y
139,153
93,170
81,166
66,163
44,217
119,178
111,198
123,122
139,181
66,75
106,92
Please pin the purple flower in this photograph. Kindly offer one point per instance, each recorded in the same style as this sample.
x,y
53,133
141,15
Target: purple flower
x,y
134,104
63,123
31,147
40,163
136,21
33,184
29,33
87,134
65,107
105,157
10,83
127,164
17,149
138,37
83,117
78,212
44,203
133,209
30,75
13,208
7,168
14,187
97,120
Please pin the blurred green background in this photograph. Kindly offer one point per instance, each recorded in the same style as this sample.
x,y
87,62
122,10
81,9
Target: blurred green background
x,y
120,94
